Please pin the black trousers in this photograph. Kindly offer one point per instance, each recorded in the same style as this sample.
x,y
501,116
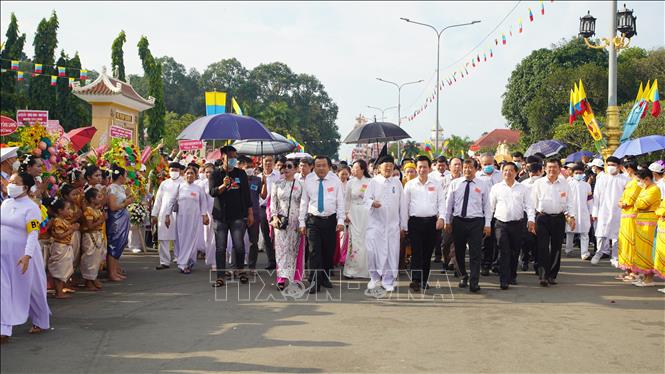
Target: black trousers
x,y
422,234
321,236
549,233
508,239
265,233
490,254
468,231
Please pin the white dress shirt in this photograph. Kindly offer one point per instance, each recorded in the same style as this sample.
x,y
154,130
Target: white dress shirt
x,y
551,198
478,204
492,179
270,180
510,203
424,199
333,198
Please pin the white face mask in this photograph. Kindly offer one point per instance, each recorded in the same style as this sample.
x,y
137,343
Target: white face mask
x,y
174,174
15,165
202,176
14,190
249,171
612,170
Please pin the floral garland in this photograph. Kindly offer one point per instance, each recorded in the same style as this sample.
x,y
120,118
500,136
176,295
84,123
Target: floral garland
x,y
137,213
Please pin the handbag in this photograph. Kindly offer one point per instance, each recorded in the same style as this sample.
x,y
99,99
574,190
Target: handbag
x,y
283,221
175,204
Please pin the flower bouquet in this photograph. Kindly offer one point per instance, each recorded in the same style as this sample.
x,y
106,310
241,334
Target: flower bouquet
x,y
137,213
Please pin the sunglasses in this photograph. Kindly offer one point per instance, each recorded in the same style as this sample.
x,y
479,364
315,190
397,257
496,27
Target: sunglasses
x,y
288,166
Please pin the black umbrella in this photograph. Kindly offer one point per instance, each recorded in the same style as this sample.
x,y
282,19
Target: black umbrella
x,y
376,132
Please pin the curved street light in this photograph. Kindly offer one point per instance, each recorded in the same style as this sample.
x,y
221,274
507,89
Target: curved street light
x,y
399,104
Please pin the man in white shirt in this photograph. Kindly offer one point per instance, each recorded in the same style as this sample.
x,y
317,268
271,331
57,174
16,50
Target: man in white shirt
x,y
268,178
509,200
166,193
552,203
529,251
424,201
468,217
491,176
386,223
606,212
445,241
321,215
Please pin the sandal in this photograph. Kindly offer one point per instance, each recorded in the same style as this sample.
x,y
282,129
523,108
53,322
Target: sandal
x,y
186,270
218,283
35,330
281,286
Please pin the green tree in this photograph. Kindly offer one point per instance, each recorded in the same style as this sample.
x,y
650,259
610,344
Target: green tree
x,y
117,55
12,97
153,70
181,89
42,95
174,124
457,146
410,149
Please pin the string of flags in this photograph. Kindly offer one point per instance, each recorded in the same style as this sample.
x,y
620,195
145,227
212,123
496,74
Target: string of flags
x,y
38,70
474,60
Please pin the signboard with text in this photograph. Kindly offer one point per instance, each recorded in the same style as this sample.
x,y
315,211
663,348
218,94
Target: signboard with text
x,y
190,145
122,133
7,126
30,117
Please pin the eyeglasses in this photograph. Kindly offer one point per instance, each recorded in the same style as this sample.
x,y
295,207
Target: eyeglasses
x,y
289,166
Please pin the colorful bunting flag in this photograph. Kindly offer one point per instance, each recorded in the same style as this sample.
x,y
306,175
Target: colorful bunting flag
x,y
530,15
215,102
503,38
542,7
83,75
19,75
54,80
71,82
38,68
520,25
61,71
14,65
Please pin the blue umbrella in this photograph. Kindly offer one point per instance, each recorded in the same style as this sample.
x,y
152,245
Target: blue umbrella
x,y
640,146
547,147
577,156
226,126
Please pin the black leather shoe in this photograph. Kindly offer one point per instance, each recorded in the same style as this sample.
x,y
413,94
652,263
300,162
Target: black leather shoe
x,y
551,281
474,288
504,286
161,267
525,266
414,286
271,267
543,283
495,271
326,283
485,272
513,282
464,283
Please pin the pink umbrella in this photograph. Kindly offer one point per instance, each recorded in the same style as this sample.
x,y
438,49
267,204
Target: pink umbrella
x,y
81,136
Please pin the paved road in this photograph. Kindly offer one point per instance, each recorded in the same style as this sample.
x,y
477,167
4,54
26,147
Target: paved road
x,y
167,322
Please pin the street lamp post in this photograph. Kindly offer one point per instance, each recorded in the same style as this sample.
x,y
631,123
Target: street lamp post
x,y
438,81
383,111
399,105
624,22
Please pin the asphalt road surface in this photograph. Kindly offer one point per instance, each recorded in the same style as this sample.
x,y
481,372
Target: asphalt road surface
x,y
164,321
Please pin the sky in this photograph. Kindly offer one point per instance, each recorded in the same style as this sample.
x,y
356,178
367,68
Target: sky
x,y
346,45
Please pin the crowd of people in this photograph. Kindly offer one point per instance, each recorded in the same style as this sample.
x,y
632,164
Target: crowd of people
x,y
370,219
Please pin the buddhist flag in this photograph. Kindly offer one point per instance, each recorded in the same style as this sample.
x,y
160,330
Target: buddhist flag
x,y
19,75
236,107
542,7
491,53
14,65
484,57
71,82
215,103
38,68
530,15
654,97
83,75
61,71
503,38
54,80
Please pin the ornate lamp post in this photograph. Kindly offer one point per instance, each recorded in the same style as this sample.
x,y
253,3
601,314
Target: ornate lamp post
x,y
623,22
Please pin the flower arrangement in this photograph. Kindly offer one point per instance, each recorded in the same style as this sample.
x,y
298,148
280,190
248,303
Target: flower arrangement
x,y
126,155
137,213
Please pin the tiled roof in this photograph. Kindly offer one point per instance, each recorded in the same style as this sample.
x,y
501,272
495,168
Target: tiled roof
x,y
496,136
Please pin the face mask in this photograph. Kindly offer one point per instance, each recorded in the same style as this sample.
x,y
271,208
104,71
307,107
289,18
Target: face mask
x,y
489,169
99,187
519,165
579,177
14,191
250,172
15,165
232,162
640,184
202,176
612,169
174,174
38,179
